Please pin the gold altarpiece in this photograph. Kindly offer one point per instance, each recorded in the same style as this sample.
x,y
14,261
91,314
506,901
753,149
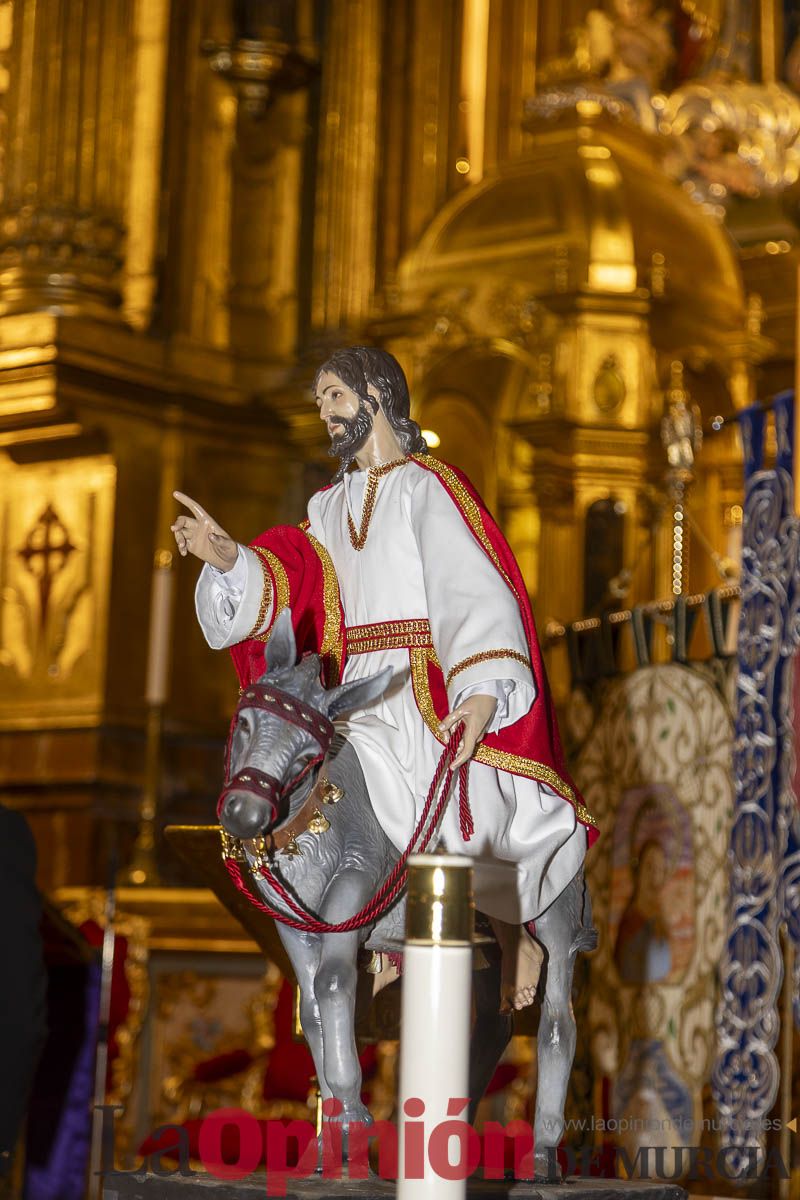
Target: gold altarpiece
x,y
200,198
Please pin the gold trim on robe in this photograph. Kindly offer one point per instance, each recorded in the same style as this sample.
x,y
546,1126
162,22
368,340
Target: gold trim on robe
x,y
485,656
279,589
333,633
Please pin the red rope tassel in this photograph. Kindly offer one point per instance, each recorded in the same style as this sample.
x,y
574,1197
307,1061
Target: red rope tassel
x,y
465,822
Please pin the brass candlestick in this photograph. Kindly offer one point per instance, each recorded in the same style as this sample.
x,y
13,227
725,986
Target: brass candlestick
x,y
143,870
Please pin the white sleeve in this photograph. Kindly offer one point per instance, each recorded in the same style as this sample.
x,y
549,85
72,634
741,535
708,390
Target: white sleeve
x,y
475,620
229,603
514,699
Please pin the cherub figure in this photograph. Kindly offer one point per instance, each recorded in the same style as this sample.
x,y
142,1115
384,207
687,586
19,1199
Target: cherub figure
x,y
681,428
631,49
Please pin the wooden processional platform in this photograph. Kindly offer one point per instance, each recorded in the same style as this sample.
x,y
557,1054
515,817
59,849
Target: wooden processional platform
x,y
150,1187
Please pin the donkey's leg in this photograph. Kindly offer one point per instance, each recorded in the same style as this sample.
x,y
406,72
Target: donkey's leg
x,y
561,931
335,988
303,950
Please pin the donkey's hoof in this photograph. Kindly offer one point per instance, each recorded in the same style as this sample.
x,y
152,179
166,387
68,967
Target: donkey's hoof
x,y
354,1114
546,1167
542,1167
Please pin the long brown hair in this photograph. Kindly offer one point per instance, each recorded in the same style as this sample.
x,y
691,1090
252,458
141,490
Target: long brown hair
x,y
362,366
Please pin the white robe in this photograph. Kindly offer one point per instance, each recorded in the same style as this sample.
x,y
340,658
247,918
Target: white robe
x,y
420,560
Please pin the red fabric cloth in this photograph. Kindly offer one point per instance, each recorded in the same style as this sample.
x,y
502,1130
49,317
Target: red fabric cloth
x,y
290,1065
120,988
306,582
533,741
222,1066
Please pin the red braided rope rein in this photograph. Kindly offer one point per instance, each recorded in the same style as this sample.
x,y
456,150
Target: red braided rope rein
x,y
395,881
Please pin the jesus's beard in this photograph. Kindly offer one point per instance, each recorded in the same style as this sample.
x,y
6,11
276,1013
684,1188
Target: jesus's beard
x,y
346,445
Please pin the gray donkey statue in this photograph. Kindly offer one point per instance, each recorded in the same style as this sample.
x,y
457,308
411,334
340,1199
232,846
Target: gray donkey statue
x,y
316,831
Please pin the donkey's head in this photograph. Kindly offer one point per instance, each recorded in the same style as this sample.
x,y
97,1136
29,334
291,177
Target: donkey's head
x,y
278,741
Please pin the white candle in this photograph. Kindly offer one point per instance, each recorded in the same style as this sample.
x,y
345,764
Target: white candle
x,y
434,1037
158,651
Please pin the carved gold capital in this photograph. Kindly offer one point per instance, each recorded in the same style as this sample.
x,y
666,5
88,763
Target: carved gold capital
x,y
73,257
66,171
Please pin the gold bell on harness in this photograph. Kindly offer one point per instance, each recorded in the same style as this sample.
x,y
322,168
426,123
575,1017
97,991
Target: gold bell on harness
x,y
319,823
331,792
291,849
231,847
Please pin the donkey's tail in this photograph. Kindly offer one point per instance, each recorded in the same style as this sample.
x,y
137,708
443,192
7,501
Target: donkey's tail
x,y
586,938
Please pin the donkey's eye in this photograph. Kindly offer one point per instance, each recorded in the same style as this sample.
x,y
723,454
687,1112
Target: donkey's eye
x,y
243,725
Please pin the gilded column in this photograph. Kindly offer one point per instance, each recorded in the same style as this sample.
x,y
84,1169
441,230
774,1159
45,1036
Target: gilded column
x,y
511,77
433,127
266,186
559,584
69,113
345,229
144,180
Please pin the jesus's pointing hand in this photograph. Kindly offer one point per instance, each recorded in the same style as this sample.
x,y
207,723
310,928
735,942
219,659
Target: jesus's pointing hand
x,y
202,536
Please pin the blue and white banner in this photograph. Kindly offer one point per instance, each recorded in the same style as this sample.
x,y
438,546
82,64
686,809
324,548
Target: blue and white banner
x,y
765,833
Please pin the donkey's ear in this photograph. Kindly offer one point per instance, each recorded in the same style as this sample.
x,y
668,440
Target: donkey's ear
x,y
349,696
281,650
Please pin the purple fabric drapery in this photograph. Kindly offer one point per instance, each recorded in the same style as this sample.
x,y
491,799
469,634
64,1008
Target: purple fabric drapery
x,y
62,1175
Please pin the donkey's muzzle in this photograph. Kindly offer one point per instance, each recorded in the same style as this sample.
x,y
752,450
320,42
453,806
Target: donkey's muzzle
x,y
248,805
246,816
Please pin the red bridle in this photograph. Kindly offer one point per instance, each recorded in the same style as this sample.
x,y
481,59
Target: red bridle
x,y
288,708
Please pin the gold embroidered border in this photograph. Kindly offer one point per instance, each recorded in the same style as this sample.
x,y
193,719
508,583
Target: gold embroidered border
x,y
397,641
266,597
358,537
388,635
501,760
332,639
485,656
304,525
275,576
414,625
422,693
282,593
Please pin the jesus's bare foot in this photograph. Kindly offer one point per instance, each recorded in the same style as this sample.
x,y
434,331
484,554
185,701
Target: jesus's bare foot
x,y
521,965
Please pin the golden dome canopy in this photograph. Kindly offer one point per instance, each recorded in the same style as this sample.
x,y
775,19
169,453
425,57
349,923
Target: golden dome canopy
x,y
590,211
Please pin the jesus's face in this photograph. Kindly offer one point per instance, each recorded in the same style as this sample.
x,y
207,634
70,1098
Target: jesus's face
x,y
335,400
347,417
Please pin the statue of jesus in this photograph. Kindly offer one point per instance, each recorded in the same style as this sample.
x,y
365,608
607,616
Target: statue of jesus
x,y
399,564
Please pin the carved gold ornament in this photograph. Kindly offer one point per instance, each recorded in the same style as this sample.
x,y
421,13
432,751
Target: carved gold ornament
x,y
609,389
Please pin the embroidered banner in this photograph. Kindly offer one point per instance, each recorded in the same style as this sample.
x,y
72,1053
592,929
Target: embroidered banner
x,y
765,834
655,765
